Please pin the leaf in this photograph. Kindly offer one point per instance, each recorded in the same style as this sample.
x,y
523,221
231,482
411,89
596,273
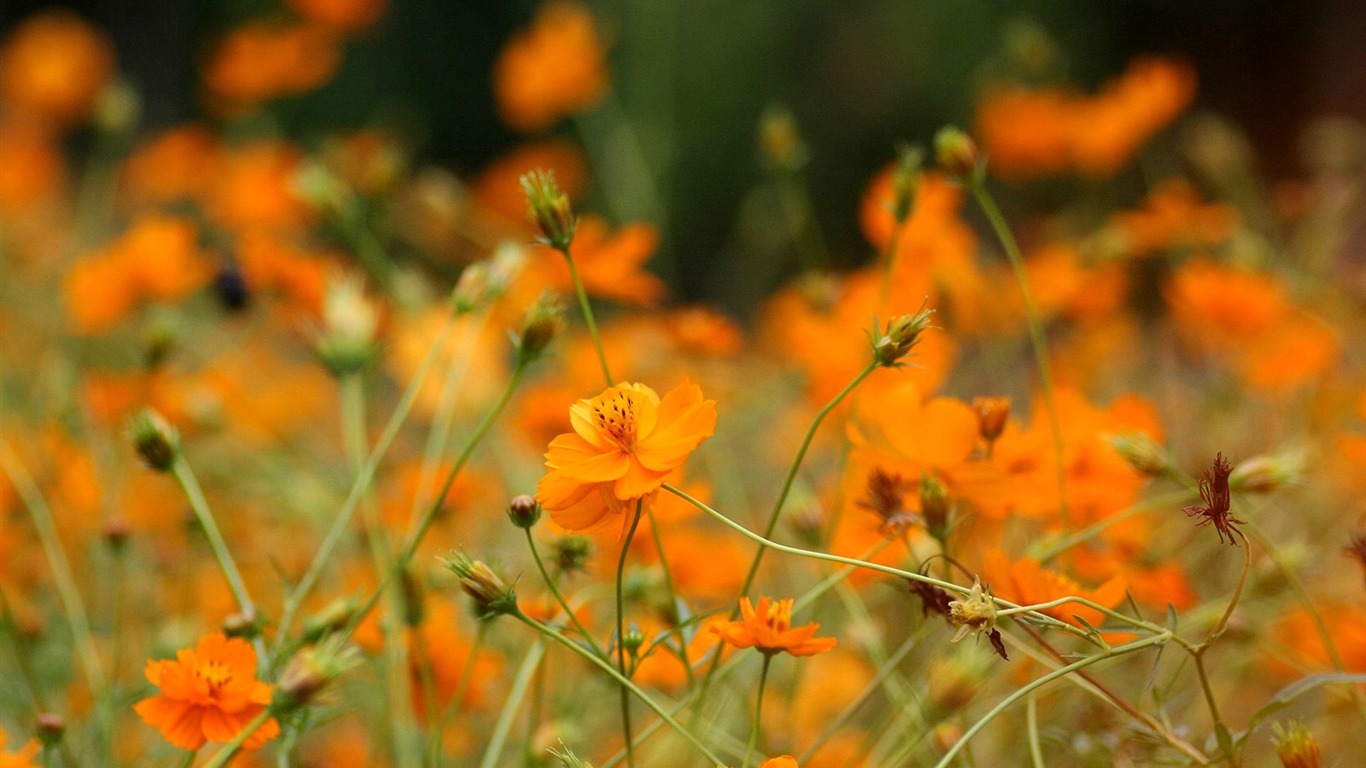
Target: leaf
x,y
1284,696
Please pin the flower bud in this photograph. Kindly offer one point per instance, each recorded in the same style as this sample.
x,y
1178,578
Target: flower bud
x,y
491,596
906,180
524,511
543,322
935,507
633,640
958,156
346,342
902,334
333,618
1142,453
156,441
549,208
780,140
572,553
245,624
992,413
50,728
1267,474
310,671
116,534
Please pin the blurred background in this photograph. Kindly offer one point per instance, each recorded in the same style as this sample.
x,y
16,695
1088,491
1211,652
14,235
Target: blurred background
x,y
674,141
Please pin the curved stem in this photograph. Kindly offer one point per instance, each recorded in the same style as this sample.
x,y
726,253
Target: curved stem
x,y
559,598
625,683
588,320
1036,334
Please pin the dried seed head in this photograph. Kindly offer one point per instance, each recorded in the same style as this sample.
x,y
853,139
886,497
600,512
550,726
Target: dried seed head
x,y
311,671
890,347
549,208
886,498
973,614
992,413
156,441
1214,491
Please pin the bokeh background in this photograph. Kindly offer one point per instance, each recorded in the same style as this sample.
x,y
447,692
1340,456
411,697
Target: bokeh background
x,y
692,79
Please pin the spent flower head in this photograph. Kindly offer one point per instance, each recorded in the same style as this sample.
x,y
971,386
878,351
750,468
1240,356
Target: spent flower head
x,y
1214,492
492,597
312,670
973,614
892,344
156,441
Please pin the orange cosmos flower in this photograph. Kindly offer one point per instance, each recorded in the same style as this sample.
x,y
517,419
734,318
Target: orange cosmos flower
x,y
769,629
53,65
24,758
625,443
208,694
556,67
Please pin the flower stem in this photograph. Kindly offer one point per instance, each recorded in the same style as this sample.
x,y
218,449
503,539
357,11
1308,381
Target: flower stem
x,y
1036,334
559,598
758,711
295,598
518,692
588,320
621,632
625,683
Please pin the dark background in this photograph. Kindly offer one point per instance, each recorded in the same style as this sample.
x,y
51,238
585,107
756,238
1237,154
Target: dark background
x,y
694,76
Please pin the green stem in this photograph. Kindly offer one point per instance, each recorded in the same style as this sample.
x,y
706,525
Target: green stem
x,y
559,598
222,756
758,711
1166,501
453,709
621,632
624,682
295,598
1036,333
588,316
519,688
977,727
888,668
62,575
1032,725
889,262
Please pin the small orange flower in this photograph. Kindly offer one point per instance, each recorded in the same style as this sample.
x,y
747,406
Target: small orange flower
x,y
208,694
21,759
53,65
769,629
625,443
556,67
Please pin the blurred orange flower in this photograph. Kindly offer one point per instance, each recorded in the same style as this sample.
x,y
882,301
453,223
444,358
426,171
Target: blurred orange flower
x,y
265,60
555,67
209,693
24,758
341,15
1175,216
769,629
53,65
609,264
1040,132
625,443
1027,583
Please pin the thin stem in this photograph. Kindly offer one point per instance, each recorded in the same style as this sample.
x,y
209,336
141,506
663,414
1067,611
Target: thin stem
x,y
1036,334
1218,628
62,575
889,262
888,667
453,709
625,683
1032,725
621,632
519,688
559,598
295,598
1035,685
588,317
758,711
225,754
1088,533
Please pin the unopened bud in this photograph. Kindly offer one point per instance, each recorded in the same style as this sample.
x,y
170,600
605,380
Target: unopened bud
x,y
50,728
992,413
524,511
905,180
549,209
346,342
244,624
491,596
1142,453
633,640
486,280
543,322
902,334
1267,474
935,507
1296,747
116,533
331,619
780,140
310,671
572,553
156,441
958,156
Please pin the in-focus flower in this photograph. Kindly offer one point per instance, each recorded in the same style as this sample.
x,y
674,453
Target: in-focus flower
x,y
625,443
769,629
208,693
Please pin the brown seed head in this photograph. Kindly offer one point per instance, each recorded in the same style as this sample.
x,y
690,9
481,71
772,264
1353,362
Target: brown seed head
x,y
1214,491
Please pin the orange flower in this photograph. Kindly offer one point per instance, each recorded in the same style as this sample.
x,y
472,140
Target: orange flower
x,y
769,629
554,68
208,694
53,65
264,60
341,15
609,264
1027,583
21,759
625,443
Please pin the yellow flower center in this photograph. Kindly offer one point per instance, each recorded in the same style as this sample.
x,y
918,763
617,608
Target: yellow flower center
x,y
616,416
215,673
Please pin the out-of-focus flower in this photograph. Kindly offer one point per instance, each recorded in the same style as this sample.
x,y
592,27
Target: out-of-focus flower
x,y
53,65
1026,582
625,443
1040,132
610,264
265,60
553,68
26,757
342,15
208,693
768,628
